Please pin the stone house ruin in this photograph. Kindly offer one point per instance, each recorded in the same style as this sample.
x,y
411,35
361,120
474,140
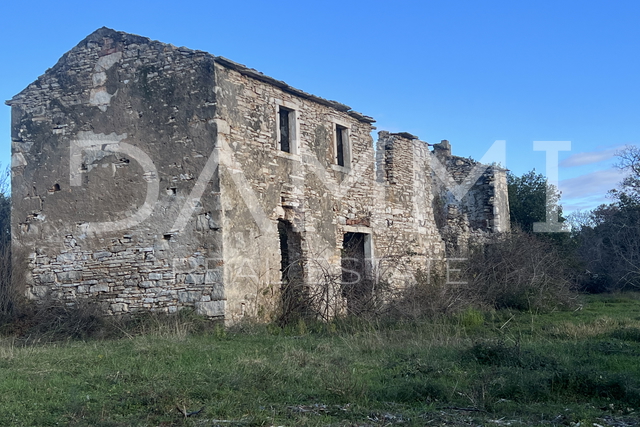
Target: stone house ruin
x,y
152,177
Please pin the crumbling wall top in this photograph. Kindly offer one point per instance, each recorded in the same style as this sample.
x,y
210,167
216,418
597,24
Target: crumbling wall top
x,y
443,149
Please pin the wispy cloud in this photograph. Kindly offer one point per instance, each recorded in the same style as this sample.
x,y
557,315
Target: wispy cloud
x,y
589,190
594,183
589,157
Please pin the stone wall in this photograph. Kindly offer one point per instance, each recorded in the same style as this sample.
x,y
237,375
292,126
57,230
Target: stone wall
x,y
263,184
471,202
406,234
150,177
107,146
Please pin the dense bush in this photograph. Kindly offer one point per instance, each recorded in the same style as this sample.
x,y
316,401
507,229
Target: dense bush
x,y
516,271
52,321
519,271
609,246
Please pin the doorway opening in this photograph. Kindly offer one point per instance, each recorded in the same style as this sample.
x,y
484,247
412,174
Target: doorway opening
x,y
294,299
357,283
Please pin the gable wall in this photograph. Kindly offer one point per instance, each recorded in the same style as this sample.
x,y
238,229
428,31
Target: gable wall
x,y
93,220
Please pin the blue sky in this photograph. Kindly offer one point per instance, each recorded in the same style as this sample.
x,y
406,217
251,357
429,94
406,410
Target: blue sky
x,y
468,71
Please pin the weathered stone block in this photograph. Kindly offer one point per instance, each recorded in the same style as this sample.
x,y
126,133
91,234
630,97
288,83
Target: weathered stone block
x,y
213,276
40,291
119,307
211,308
67,276
189,296
48,278
217,292
66,257
194,279
101,255
99,288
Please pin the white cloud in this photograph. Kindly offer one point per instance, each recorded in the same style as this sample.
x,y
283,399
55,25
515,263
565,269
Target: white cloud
x,y
584,204
594,183
589,190
589,157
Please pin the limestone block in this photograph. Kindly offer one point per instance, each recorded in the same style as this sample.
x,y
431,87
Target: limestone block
x,y
99,288
119,307
189,296
67,276
48,278
213,276
39,291
217,293
211,308
66,257
101,255
194,279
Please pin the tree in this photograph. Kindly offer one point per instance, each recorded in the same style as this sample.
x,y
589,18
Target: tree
x,y
528,195
629,160
610,247
609,242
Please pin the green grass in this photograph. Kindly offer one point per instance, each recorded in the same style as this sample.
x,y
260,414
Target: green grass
x,y
471,369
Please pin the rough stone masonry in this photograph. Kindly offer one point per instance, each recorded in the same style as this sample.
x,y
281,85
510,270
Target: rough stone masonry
x,y
152,177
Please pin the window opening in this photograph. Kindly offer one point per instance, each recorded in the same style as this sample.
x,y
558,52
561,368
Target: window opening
x,y
285,129
340,144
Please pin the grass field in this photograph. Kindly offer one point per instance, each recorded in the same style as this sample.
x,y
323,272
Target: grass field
x,y
574,368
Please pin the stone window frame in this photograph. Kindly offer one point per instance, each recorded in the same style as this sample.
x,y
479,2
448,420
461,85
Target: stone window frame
x,y
369,246
294,128
346,145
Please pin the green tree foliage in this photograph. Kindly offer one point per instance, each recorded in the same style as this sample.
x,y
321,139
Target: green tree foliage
x,y
528,195
609,239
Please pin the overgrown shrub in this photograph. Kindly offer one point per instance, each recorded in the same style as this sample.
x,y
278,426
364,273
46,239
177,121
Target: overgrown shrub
x,y
429,296
518,271
54,320
609,247
9,295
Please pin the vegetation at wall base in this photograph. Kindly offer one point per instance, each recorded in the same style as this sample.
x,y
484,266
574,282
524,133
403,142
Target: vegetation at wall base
x,y
475,367
8,295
